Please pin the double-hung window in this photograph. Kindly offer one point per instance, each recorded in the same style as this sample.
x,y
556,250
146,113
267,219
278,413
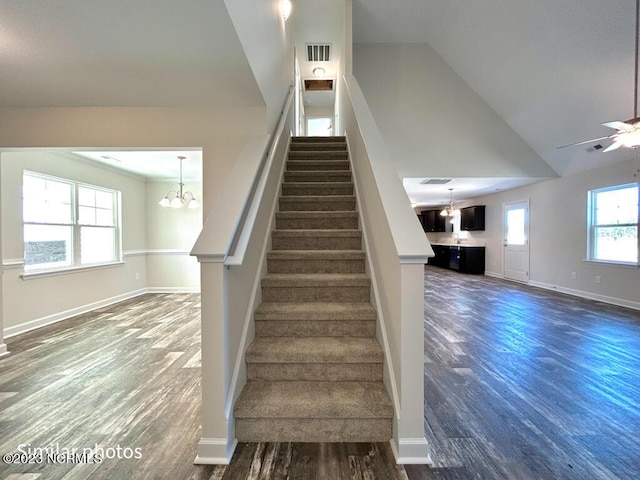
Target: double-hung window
x,y
68,224
613,224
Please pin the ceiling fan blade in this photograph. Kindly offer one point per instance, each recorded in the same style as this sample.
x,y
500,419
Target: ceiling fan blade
x,y
613,146
617,125
587,141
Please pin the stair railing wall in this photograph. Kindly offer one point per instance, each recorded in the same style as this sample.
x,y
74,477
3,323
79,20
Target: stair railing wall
x,y
397,250
231,250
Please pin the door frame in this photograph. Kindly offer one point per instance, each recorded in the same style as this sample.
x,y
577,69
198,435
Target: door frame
x,y
311,117
527,226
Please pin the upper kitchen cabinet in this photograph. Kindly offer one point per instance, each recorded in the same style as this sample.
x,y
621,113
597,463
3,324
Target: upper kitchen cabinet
x,y
472,218
432,221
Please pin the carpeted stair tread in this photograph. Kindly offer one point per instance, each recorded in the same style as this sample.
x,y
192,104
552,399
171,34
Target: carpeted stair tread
x,y
305,155
319,146
319,198
337,139
314,350
313,400
317,233
316,254
315,280
317,176
309,214
316,311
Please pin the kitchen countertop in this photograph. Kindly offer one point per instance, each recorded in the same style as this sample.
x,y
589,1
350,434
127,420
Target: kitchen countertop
x,y
454,244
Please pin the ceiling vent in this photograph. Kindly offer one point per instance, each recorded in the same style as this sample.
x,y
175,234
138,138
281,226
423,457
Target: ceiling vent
x,y
435,181
320,52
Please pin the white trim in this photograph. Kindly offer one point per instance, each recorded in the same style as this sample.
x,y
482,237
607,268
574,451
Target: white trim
x,y
612,263
57,317
494,274
66,270
12,263
411,451
3,350
234,388
388,364
215,451
409,259
173,290
134,253
221,258
168,252
621,302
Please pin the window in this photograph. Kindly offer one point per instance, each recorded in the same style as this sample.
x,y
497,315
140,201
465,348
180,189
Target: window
x,y
68,224
613,224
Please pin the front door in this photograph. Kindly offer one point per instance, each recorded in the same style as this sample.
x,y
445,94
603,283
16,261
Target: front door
x,y
516,241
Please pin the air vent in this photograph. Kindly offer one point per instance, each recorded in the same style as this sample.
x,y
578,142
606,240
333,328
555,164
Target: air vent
x,y
435,181
318,52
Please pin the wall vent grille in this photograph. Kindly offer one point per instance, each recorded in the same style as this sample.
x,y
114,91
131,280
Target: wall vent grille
x,y
318,52
435,181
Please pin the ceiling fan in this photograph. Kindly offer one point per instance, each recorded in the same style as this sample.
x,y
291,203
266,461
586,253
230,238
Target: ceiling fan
x,y
628,132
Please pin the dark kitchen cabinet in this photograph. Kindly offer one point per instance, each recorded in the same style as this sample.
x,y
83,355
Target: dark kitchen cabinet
x,y
465,259
472,218
432,221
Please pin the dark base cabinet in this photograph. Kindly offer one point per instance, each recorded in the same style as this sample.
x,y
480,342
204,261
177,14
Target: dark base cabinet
x,y
462,258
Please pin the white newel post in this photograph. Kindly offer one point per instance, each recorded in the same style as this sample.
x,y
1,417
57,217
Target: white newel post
x,y
3,346
412,447
215,446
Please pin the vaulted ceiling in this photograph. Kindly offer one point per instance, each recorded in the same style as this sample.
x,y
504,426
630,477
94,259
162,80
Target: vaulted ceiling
x,y
553,70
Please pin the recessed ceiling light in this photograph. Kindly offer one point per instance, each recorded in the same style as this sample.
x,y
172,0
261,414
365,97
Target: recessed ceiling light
x,y
318,71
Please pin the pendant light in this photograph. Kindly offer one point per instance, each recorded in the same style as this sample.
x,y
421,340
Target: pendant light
x,y
450,211
178,199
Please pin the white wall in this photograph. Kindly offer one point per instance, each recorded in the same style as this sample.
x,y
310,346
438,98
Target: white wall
x,y
432,122
311,111
171,234
558,236
268,45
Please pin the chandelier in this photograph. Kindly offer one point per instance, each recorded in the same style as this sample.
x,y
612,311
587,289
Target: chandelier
x,y
178,198
450,211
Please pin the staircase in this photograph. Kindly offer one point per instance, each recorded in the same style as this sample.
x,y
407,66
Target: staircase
x,y
314,369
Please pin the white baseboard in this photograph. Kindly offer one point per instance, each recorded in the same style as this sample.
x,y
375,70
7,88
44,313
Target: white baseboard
x,y
173,290
588,295
3,350
411,451
57,317
493,274
215,451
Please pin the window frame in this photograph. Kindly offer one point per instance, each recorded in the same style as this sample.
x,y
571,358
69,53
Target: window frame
x,y
75,262
593,226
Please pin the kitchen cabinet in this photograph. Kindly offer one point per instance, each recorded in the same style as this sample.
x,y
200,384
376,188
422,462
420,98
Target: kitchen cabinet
x,y
432,221
463,258
472,218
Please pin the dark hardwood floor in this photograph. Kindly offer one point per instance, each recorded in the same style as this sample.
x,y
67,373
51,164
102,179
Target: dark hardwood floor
x,y
520,383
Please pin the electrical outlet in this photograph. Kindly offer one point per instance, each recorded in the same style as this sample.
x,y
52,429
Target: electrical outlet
x,y
574,275
598,279
137,276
